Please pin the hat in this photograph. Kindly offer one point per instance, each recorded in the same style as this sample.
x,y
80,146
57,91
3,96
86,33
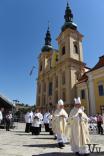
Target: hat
x,y
60,102
77,100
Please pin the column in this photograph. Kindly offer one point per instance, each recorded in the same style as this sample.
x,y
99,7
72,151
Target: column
x,y
41,94
37,94
68,85
47,88
92,108
53,89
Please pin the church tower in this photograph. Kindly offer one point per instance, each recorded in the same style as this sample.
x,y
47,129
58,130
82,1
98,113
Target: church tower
x,y
70,54
59,70
44,67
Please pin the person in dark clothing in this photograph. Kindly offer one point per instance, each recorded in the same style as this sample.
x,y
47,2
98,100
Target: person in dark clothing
x,y
99,124
8,121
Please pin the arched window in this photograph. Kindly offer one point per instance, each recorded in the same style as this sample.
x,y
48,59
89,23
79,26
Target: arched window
x,y
40,67
63,78
44,87
43,101
75,48
56,97
50,88
38,101
83,94
64,95
39,88
101,89
63,50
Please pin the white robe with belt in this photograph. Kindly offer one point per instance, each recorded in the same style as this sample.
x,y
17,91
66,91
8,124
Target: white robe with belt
x,y
79,131
59,124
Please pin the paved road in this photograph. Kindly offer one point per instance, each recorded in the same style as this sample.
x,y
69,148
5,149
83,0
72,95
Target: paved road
x,y
18,143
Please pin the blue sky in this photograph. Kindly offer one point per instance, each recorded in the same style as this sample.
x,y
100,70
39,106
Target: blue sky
x,y
23,24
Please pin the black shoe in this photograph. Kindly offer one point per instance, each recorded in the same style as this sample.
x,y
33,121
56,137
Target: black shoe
x,y
60,145
86,154
55,138
77,153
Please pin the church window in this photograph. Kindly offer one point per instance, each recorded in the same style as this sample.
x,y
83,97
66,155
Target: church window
x,y
63,50
40,67
39,88
56,97
44,86
83,94
50,88
64,95
101,90
38,101
75,48
43,102
63,78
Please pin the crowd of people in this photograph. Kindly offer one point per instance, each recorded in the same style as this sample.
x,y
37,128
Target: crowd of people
x,y
73,127
64,127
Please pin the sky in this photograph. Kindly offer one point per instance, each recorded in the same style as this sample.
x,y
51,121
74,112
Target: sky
x,y
23,24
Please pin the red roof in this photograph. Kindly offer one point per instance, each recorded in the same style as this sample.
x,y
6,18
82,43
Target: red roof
x,y
99,64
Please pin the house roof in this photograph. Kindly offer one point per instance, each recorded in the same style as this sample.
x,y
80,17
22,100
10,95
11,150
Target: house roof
x,y
5,102
99,64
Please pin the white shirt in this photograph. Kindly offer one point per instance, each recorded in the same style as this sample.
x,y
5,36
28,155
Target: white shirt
x,y
1,115
28,117
9,116
36,120
31,114
46,118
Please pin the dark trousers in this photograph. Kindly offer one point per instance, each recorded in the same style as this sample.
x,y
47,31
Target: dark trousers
x,y
46,127
50,131
40,128
100,129
28,126
7,125
35,130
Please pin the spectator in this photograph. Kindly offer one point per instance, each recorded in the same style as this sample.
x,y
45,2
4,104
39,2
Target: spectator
x,y
99,124
8,120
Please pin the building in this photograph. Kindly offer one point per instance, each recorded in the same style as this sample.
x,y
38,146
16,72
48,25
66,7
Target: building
x,y
59,70
90,88
6,103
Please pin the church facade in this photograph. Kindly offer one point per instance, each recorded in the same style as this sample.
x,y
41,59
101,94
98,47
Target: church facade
x,y
60,70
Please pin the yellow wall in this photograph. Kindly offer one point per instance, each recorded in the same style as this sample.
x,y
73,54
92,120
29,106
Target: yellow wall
x,y
99,100
84,102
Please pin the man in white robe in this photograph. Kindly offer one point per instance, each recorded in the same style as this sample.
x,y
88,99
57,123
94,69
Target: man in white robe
x,y
59,123
36,123
46,120
28,120
79,129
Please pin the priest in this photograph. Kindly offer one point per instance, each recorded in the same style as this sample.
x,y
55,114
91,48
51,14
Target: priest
x,y
79,129
59,123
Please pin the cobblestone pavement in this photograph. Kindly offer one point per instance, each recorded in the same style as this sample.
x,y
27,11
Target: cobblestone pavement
x,y
18,143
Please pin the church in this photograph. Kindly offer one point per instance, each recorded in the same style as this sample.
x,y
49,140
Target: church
x,y
60,69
